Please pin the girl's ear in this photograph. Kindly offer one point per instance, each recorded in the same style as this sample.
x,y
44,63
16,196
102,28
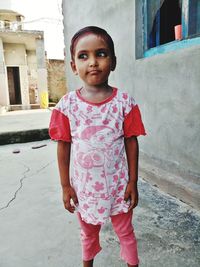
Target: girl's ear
x,y
114,62
73,66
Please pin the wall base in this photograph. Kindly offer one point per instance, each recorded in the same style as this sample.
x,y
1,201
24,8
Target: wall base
x,y
184,186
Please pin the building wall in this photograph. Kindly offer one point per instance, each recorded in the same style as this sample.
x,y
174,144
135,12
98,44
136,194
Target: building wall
x,y
42,73
56,79
32,76
13,5
165,86
171,97
120,26
4,96
15,56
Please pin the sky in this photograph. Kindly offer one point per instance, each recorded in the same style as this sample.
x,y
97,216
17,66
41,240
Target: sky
x,y
45,15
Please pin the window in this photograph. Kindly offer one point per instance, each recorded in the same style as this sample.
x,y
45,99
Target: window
x,y
162,26
160,18
7,24
194,18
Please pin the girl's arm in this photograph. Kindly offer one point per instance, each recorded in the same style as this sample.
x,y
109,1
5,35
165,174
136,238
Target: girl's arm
x,y
131,147
63,154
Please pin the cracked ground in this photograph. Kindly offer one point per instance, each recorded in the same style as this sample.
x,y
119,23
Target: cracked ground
x,y
35,230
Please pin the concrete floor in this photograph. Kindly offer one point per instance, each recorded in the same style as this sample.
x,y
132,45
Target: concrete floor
x,y
24,120
35,230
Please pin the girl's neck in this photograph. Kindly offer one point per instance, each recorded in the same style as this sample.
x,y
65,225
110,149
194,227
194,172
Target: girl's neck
x,y
96,93
97,88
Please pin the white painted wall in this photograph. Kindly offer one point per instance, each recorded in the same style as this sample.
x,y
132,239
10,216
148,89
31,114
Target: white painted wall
x,y
15,56
4,96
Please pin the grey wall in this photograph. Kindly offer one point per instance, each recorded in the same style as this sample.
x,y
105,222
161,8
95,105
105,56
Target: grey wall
x,y
167,86
170,89
106,14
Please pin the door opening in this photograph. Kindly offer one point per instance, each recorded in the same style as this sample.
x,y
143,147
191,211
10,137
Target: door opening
x,y
14,85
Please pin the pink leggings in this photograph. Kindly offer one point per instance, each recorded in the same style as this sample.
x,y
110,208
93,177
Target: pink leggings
x,y
122,225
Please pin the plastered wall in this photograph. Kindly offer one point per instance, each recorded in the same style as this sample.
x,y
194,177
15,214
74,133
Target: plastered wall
x,y
56,79
15,56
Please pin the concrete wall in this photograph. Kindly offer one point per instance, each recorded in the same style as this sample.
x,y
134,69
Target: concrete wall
x,y
165,86
56,79
15,56
42,73
120,26
13,5
4,96
32,76
171,93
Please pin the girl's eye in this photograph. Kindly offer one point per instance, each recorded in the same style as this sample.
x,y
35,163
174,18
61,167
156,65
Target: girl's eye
x,y
82,56
101,54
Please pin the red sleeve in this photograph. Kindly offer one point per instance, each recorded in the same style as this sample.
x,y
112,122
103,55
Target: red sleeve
x,y
133,125
59,128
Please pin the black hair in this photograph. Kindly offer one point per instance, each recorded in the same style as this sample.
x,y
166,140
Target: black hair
x,y
97,31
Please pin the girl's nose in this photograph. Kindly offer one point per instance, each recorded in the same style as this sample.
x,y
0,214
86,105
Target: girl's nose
x,y
93,61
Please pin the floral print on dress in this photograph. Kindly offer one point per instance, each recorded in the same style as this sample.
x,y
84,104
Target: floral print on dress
x,y
99,174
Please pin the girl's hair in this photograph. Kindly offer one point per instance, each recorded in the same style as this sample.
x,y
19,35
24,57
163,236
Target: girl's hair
x,y
97,31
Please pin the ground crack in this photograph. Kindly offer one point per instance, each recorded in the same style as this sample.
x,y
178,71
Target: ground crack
x,y
19,188
21,182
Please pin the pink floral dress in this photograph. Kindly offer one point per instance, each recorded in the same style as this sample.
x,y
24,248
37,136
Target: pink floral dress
x,y
97,130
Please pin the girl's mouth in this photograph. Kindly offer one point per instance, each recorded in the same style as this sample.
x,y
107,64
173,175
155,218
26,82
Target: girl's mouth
x,y
94,72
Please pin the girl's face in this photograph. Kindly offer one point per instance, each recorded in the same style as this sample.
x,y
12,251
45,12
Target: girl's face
x,y
92,60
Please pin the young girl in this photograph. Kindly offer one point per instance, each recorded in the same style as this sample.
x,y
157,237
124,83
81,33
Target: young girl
x,y
100,124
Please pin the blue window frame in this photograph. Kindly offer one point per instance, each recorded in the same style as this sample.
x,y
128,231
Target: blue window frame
x,y
160,17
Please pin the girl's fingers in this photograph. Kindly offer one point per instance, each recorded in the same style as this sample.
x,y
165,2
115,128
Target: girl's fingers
x,y
70,208
126,196
67,205
133,204
70,200
75,199
133,201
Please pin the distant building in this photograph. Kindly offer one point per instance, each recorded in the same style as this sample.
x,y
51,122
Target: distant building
x,y
23,73
56,79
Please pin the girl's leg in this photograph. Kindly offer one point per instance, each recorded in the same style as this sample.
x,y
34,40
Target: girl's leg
x,y
90,241
123,227
88,263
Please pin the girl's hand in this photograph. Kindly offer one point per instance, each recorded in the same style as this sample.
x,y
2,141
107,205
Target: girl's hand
x,y
131,194
69,196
